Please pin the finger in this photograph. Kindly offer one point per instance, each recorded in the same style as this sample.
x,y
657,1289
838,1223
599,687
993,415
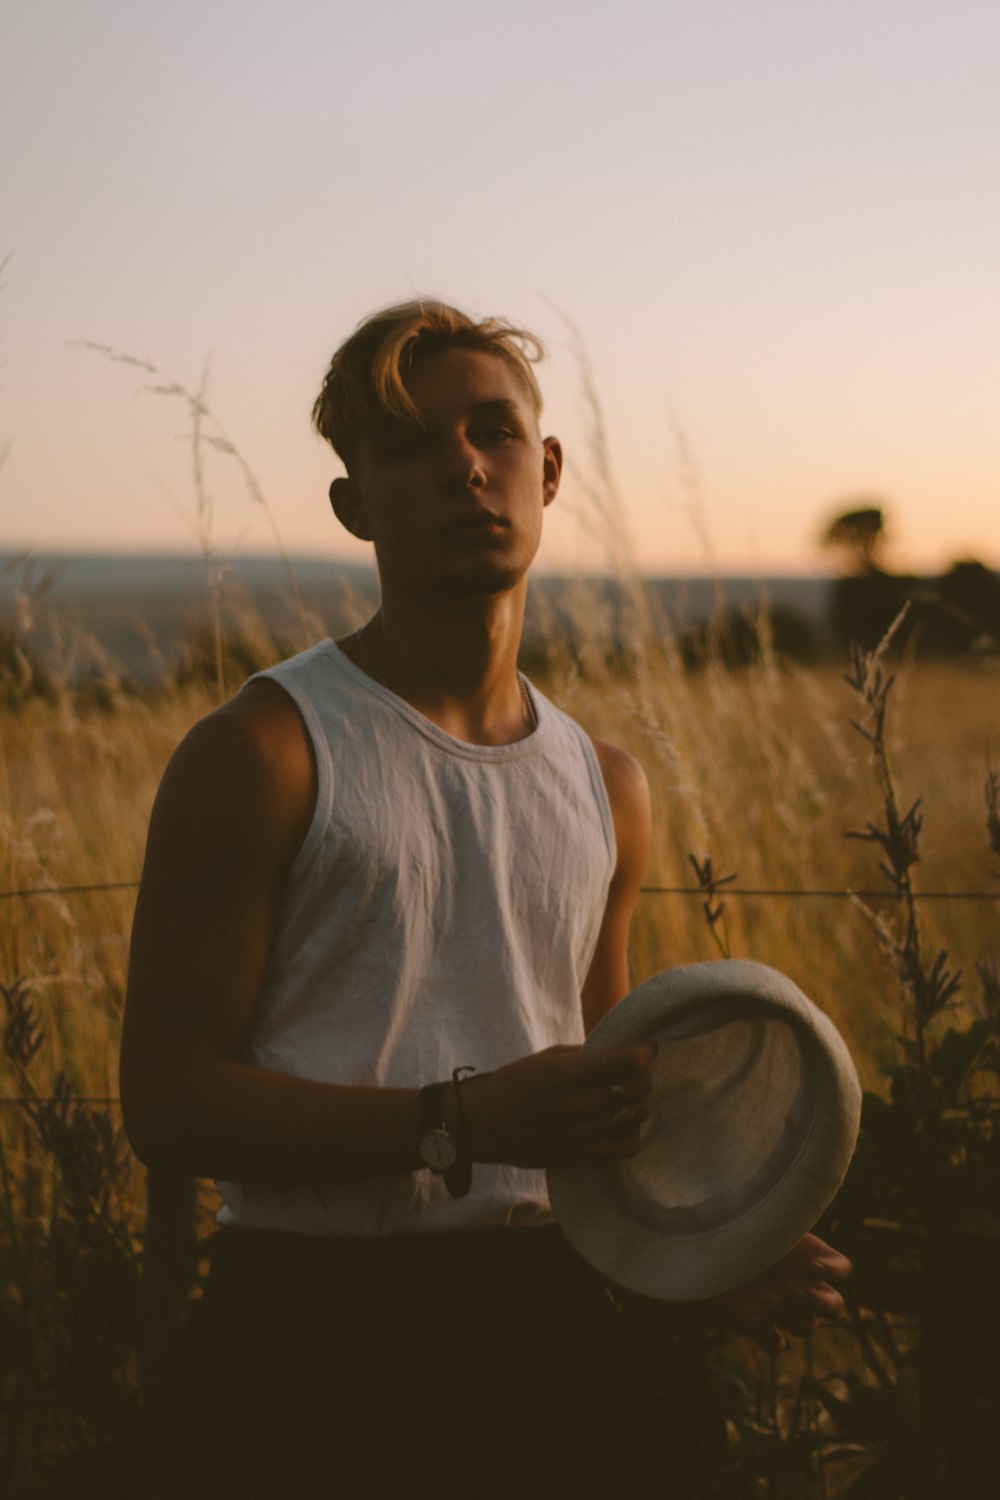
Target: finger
x,y
579,1126
625,1121
618,1065
825,1299
603,1101
817,1258
804,1292
811,1300
613,1125
831,1266
611,1145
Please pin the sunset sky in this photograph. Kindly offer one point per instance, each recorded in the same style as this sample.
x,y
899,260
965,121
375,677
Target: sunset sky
x,y
775,225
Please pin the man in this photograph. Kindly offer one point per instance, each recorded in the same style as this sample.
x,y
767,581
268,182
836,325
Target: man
x,y
387,888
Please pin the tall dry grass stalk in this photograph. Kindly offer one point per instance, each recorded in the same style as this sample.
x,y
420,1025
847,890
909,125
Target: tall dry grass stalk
x,y
207,436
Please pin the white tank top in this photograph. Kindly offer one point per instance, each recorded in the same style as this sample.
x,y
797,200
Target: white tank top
x,y
442,912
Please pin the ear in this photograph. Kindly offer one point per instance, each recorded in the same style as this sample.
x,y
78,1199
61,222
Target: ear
x,y
349,508
551,468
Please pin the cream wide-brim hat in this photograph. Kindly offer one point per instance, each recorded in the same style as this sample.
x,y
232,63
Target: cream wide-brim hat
x,y
753,1120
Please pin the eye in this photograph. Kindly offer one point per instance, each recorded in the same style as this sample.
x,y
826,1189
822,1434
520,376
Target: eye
x,y
494,433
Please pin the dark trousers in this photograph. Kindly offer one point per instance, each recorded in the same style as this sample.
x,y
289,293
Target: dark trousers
x,y
483,1364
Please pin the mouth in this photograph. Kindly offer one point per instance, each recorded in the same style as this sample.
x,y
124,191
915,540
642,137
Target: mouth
x,y
485,522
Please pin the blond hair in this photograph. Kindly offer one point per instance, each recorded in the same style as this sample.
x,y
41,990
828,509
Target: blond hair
x,y
366,375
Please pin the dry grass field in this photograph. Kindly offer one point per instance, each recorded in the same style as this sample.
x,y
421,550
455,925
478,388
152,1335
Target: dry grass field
x,y
759,771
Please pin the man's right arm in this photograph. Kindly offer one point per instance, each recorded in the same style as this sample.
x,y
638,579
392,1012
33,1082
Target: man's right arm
x,y
231,814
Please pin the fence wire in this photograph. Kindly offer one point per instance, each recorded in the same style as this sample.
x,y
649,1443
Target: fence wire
x,y
646,890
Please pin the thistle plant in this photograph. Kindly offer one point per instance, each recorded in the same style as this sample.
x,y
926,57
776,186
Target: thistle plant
x,y
709,883
926,979
918,1212
919,1209
991,792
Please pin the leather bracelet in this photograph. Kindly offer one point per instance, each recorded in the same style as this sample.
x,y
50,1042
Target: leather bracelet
x,y
458,1178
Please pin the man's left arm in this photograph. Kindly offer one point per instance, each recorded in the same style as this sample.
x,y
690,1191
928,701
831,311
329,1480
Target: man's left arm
x,y
803,1286
607,979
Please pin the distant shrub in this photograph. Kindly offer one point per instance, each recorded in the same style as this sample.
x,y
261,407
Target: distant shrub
x,y
953,614
737,639
22,675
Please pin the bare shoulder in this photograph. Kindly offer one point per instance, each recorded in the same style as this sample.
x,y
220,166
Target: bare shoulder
x,y
628,795
251,759
623,775
261,727
261,719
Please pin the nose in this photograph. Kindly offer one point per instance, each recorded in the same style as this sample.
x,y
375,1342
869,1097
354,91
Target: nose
x,y
464,465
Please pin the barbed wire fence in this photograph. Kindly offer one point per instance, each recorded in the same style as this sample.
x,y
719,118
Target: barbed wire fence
x,y
692,891
646,890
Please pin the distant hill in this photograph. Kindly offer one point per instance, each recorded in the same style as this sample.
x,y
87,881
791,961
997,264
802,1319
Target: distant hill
x,y
137,611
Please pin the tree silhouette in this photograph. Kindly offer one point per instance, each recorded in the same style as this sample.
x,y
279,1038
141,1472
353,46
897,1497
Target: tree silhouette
x,y
858,535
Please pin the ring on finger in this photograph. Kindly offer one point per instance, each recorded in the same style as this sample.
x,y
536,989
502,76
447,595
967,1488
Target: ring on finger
x,y
617,1092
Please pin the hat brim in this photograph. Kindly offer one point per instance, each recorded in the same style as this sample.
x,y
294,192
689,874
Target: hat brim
x,y
683,1255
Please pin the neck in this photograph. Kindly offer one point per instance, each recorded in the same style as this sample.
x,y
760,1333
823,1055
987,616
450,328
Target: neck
x,y
454,660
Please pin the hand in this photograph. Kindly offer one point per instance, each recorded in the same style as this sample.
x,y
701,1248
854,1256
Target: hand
x,y
792,1295
561,1105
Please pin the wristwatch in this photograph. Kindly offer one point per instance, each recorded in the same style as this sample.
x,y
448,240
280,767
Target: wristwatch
x,y
446,1154
438,1147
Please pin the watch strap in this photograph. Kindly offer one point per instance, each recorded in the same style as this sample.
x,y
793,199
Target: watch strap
x,y
431,1106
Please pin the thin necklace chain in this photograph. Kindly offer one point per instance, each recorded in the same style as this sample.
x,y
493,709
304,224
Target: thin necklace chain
x,y
373,671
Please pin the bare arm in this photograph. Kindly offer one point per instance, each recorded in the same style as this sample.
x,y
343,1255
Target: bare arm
x,y
628,793
230,815
233,809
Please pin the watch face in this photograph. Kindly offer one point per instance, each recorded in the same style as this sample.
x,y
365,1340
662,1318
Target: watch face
x,y
438,1149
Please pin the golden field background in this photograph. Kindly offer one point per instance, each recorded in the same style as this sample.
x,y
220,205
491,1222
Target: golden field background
x,y
760,769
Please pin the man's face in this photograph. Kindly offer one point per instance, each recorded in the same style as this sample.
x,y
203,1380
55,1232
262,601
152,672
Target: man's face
x,y
454,506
